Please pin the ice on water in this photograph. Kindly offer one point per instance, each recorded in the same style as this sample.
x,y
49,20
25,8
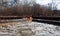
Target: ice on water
x,y
26,28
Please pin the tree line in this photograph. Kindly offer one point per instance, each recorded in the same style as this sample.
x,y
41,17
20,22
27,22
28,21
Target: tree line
x,y
23,10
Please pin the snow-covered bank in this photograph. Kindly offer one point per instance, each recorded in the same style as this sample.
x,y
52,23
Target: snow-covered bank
x,y
26,28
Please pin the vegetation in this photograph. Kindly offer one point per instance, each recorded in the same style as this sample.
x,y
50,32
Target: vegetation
x,y
28,9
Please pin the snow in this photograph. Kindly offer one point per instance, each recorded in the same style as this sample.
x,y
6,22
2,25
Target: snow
x,y
30,29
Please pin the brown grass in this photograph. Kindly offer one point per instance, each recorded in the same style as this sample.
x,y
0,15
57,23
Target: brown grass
x,y
8,23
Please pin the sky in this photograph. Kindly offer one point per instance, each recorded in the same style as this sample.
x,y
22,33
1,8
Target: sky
x,y
45,2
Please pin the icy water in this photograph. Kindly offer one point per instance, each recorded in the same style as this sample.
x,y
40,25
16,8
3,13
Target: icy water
x,y
26,28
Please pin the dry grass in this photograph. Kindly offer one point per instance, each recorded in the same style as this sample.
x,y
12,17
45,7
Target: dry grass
x,y
8,23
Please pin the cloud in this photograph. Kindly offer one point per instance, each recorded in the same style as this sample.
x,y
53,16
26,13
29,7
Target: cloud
x,y
58,7
43,2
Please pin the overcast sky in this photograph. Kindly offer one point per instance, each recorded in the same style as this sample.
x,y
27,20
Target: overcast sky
x,y
45,2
